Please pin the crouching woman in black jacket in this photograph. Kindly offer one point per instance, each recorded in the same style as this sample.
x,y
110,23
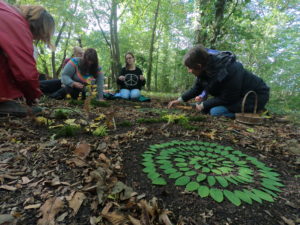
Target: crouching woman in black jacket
x,y
221,76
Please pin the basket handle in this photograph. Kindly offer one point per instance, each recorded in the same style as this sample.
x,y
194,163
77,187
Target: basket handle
x,y
244,100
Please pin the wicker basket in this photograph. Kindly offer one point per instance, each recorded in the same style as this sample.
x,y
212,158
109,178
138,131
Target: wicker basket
x,y
249,118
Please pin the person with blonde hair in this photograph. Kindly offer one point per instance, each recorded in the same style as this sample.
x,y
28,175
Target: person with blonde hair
x,y
77,52
19,76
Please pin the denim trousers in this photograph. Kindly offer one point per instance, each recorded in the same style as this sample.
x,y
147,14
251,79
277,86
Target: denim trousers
x,y
221,111
130,94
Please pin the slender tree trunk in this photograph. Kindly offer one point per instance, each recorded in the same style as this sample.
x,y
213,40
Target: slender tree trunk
x,y
54,74
115,49
45,67
149,72
219,16
201,7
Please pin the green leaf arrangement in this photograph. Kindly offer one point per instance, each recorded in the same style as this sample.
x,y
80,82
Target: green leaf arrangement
x,y
211,170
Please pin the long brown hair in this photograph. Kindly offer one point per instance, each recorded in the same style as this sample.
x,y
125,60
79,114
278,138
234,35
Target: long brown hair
x,y
128,53
41,23
90,55
196,55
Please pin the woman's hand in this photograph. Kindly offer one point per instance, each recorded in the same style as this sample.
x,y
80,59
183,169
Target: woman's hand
x,y
77,85
142,77
174,102
121,78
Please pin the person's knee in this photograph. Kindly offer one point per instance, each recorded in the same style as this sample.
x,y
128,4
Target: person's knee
x,y
217,111
125,93
135,93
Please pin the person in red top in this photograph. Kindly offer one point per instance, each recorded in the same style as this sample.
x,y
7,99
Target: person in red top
x,y
18,73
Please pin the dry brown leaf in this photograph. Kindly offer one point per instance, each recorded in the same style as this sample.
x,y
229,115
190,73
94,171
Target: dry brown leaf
x,y
8,188
104,158
146,209
163,217
35,206
82,150
134,221
288,221
114,218
25,180
76,162
76,202
49,210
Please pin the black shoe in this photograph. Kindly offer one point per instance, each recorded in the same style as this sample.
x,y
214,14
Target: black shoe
x,y
13,108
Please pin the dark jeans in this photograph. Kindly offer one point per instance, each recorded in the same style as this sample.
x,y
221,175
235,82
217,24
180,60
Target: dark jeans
x,y
53,89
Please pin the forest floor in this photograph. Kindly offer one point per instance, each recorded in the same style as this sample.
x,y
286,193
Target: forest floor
x,y
88,179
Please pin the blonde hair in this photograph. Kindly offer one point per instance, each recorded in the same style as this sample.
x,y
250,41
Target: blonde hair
x,y
41,23
77,50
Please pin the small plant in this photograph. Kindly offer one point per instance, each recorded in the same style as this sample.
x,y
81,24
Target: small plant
x,y
100,131
67,131
174,118
96,103
209,169
125,123
61,113
150,120
76,102
197,118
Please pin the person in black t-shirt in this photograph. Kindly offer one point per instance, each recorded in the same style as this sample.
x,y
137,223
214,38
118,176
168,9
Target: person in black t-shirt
x,y
131,79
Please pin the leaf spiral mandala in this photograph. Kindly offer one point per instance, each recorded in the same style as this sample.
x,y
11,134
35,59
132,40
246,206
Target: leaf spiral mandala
x,y
211,170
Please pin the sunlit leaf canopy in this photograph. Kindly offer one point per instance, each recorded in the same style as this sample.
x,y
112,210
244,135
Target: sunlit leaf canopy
x,y
263,34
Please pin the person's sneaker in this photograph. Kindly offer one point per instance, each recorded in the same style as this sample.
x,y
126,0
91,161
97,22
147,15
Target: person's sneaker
x,y
13,108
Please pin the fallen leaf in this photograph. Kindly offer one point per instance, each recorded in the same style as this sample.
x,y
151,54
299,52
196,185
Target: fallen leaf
x,y
82,150
49,210
25,180
76,162
76,202
35,206
288,221
134,221
113,217
8,188
62,217
7,219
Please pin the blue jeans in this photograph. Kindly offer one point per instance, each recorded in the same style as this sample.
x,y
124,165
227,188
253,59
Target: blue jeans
x,y
221,111
130,94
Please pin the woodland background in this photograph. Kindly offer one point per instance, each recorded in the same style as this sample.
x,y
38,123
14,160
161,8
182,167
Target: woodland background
x,y
264,34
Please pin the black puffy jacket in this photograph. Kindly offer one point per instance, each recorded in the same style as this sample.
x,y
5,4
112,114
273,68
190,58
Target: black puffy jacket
x,y
228,82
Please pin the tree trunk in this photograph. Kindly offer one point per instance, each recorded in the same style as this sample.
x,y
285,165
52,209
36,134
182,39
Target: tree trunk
x,y
202,22
152,47
115,49
54,74
45,67
219,16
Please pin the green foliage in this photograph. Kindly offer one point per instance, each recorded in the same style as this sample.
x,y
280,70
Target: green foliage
x,y
61,113
66,131
210,170
76,102
100,131
125,123
96,103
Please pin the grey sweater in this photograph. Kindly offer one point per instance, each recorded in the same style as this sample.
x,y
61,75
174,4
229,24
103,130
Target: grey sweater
x,y
69,76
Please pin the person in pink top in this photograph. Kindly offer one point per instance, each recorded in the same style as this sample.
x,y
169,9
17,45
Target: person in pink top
x,y
19,27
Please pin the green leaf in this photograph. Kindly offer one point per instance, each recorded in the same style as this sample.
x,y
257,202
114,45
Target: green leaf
x,y
253,196
170,170
179,160
192,186
203,191
222,181
263,195
205,170
182,181
232,197
166,166
159,181
153,175
175,175
229,178
147,164
243,196
163,161
190,173
201,177
272,182
270,187
149,169
216,171
269,192
211,180
184,169
216,194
